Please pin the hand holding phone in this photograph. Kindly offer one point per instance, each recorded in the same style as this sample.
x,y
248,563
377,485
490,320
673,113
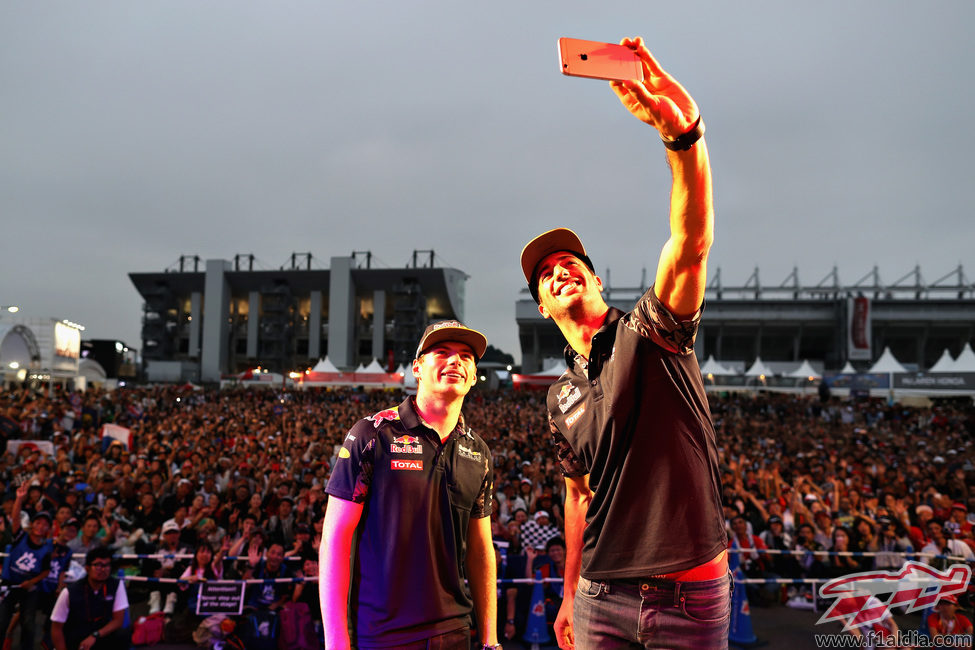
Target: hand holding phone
x,y
597,60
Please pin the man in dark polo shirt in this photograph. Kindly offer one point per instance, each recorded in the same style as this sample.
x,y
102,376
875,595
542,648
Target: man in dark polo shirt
x,y
646,562
411,505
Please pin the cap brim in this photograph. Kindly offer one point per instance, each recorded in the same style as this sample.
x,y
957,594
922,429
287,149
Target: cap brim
x,y
553,241
557,239
472,338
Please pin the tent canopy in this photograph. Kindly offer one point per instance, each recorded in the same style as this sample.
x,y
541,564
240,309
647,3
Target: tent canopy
x,y
324,365
373,367
555,370
944,364
805,371
887,363
712,367
965,361
758,369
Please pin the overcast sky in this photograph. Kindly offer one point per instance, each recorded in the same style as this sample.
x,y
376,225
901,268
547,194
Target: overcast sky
x,y
133,132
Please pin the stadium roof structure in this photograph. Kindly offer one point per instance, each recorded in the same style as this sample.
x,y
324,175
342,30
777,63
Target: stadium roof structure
x,y
792,320
206,318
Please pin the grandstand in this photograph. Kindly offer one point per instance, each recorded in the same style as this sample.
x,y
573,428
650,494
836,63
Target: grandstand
x,y
830,321
290,317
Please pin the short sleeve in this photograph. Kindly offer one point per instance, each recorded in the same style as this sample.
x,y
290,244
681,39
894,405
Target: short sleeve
x,y
652,320
60,612
352,475
569,462
484,503
121,597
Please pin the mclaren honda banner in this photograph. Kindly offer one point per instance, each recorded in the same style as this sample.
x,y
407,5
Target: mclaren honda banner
x,y
936,381
858,329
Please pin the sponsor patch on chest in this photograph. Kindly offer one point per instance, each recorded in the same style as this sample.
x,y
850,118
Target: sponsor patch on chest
x,y
405,449
406,464
575,415
469,454
406,445
568,396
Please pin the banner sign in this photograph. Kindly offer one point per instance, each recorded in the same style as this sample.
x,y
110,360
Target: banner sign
x,y
936,380
858,328
858,382
46,447
220,598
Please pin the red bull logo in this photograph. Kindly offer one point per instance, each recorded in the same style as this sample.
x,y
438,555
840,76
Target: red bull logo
x,y
384,416
406,445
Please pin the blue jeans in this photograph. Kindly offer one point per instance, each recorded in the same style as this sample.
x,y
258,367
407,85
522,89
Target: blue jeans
x,y
652,613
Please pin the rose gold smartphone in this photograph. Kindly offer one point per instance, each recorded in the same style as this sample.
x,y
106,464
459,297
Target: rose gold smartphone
x,y
599,60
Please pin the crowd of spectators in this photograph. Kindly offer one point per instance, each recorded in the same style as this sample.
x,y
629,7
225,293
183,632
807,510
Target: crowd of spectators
x,y
239,474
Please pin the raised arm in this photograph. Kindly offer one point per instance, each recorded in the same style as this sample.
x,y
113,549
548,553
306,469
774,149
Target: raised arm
x,y
341,519
22,491
663,103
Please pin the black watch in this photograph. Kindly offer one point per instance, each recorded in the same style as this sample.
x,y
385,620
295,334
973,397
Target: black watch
x,y
496,646
96,634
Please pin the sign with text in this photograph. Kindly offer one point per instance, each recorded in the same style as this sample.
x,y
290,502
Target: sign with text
x,y
936,380
220,598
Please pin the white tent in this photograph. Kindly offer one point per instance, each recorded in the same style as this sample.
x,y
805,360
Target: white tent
x,y
361,368
887,363
805,371
324,365
409,381
555,370
712,367
848,369
758,369
944,364
966,360
552,367
373,367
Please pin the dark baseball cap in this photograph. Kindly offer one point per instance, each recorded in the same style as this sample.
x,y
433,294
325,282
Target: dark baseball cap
x,y
557,239
452,330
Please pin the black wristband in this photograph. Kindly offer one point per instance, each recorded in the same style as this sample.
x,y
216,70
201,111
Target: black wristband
x,y
687,140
